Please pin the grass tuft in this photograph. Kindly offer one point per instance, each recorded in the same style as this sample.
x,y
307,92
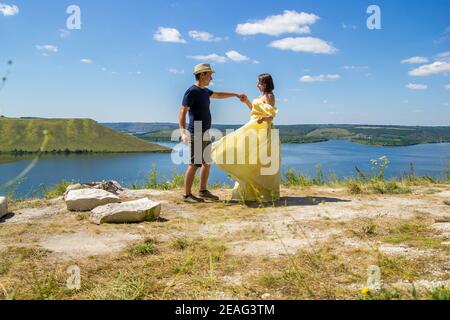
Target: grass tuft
x,y
144,249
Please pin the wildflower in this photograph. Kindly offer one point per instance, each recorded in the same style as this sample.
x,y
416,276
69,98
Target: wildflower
x,y
365,291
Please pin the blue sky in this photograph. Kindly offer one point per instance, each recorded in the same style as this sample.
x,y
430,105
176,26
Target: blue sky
x,y
132,61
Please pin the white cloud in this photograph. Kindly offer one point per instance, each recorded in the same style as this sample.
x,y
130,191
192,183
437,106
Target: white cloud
x,y
320,78
47,47
203,36
210,58
415,86
8,10
63,33
443,56
356,68
168,35
255,62
444,36
176,71
437,67
345,26
306,44
415,60
236,56
288,22
447,87
297,90
86,61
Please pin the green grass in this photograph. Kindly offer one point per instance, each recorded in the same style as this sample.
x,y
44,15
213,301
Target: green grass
x,y
291,178
144,249
67,136
414,233
441,293
176,181
57,190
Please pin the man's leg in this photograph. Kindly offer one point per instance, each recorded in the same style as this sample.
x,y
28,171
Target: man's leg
x,y
204,176
189,179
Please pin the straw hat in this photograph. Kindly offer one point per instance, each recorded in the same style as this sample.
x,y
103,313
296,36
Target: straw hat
x,y
203,67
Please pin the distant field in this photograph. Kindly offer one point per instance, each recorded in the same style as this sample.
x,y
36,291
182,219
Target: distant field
x,y
67,135
327,132
390,128
370,134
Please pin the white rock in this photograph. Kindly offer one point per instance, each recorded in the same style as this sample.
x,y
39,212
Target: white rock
x,y
88,199
110,186
3,207
77,186
127,212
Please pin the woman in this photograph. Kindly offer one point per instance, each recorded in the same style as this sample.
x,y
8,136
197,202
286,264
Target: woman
x,y
251,155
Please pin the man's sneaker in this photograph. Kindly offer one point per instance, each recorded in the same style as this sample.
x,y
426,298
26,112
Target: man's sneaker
x,y
192,199
205,194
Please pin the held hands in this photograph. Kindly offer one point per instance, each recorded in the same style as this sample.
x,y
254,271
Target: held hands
x,y
242,97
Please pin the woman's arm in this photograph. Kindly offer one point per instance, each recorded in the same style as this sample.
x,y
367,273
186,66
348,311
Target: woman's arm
x,y
247,102
265,119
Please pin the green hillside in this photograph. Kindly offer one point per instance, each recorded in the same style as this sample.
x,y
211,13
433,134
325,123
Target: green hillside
x,y
67,135
363,134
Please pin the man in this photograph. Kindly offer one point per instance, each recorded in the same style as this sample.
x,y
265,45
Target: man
x,y
196,102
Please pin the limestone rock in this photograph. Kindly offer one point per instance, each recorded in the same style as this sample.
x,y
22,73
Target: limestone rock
x,y
110,186
88,199
3,206
127,212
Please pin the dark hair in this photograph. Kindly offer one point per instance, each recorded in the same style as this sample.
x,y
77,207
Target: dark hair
x,y
266,81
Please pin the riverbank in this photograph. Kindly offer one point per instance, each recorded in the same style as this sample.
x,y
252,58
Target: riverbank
x,y
331,160
316,243
383,135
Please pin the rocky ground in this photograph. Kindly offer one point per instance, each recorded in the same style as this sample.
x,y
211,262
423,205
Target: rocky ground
x,y
315,243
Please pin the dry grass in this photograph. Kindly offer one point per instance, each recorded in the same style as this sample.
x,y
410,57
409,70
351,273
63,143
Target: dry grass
x,y
177,259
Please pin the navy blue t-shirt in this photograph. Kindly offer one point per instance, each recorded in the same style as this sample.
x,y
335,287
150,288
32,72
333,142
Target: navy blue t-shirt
x,y
198,100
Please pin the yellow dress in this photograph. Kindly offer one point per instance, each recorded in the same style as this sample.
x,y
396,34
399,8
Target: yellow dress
x,y
251,156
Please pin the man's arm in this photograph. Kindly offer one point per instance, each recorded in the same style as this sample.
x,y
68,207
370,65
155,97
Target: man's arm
x,y
182,122
226,95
